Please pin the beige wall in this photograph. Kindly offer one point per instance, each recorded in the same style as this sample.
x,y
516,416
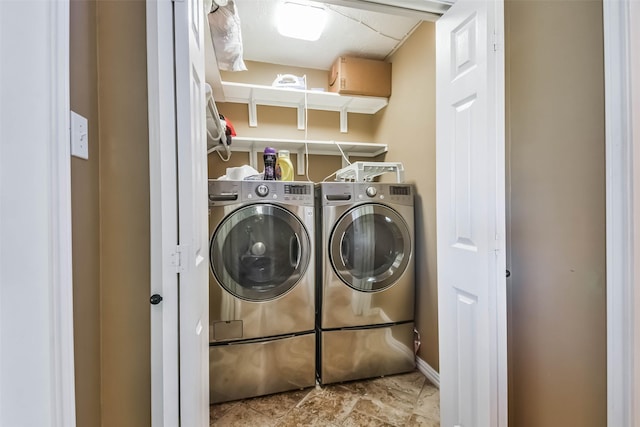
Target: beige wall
x,y
124,207
278,122
86,216
408,126
557,319
261,73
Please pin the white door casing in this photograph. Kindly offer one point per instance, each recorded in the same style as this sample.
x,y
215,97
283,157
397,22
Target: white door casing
x,y
165,408
192,213
37,375
622,104
470,171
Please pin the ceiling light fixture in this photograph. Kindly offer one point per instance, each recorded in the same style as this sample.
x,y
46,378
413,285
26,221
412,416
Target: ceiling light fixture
x,y
301,21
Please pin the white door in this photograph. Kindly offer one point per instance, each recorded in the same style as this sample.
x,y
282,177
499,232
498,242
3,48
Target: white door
x,y
179,341
192,213
470,171
163,203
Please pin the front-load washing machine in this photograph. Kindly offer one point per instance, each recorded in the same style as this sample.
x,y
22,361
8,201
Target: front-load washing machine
x,y
261,304
366,286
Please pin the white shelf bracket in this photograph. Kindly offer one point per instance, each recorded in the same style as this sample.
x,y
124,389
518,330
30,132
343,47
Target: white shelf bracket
x,y
343,120
301,162
253,111
301,114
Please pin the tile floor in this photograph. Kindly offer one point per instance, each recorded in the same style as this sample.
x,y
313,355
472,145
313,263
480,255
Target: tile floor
x,y
398,400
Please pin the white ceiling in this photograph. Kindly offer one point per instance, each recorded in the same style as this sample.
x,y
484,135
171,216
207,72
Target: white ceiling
x,y
349,31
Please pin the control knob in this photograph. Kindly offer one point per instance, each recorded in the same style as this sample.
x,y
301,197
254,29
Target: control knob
x,y
262,190
371,191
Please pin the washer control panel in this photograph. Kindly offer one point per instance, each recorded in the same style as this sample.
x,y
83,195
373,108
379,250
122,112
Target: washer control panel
x,y
223,192
292,192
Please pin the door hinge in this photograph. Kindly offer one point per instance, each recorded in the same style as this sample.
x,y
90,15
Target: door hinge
x,y
176,259
497,42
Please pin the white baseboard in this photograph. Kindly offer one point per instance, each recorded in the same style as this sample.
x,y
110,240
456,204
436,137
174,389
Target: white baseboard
x,y
426,369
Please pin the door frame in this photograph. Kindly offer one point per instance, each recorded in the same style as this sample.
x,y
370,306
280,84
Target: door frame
x,y
623,271
623,202
163,212
43,153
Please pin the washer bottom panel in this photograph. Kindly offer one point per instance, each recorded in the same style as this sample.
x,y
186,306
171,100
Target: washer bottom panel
x,y
352,354
243,370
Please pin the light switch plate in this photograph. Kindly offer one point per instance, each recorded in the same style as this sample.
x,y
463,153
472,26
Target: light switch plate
x,y
79,136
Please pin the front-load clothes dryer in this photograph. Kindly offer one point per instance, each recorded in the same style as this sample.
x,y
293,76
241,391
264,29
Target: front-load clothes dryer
x,y
261,304
366,285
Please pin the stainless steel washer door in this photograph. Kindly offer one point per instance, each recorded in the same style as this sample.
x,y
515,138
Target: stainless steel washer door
x,y
370,247
259,252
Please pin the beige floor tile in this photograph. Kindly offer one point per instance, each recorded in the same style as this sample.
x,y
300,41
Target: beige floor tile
x,y
420,421
329,406
389,414
410,383
358,419
241,416
276,405
218,410
428,404
379,391
393,401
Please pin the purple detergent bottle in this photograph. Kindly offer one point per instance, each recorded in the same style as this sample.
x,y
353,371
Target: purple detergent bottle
x,y
269,163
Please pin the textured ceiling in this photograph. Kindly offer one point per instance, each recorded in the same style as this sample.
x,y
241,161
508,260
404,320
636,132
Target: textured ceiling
x,y
348,32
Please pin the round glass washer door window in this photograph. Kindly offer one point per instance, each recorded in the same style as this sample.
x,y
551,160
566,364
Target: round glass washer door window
x,y
259,252
370,247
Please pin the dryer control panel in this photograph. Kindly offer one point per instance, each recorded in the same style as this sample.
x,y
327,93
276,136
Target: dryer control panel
x,y
349,193
401,194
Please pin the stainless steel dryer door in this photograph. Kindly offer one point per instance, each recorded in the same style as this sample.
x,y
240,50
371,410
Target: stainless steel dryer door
x,y
259,252
370,247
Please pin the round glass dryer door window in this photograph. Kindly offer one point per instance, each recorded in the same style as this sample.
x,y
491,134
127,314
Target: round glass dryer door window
x,y
259,252
370,247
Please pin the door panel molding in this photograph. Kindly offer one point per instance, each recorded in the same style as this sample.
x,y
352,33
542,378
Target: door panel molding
x,y
623,322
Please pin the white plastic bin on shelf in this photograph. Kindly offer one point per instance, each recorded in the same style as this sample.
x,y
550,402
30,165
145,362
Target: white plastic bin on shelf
x,y
366,171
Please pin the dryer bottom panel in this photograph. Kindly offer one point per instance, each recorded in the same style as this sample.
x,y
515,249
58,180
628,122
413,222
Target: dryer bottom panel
x,y
352,354
242,370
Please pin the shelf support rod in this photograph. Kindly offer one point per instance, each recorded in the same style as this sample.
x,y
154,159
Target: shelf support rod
x,y
253,157
343,120
301,161
301,114
253,110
